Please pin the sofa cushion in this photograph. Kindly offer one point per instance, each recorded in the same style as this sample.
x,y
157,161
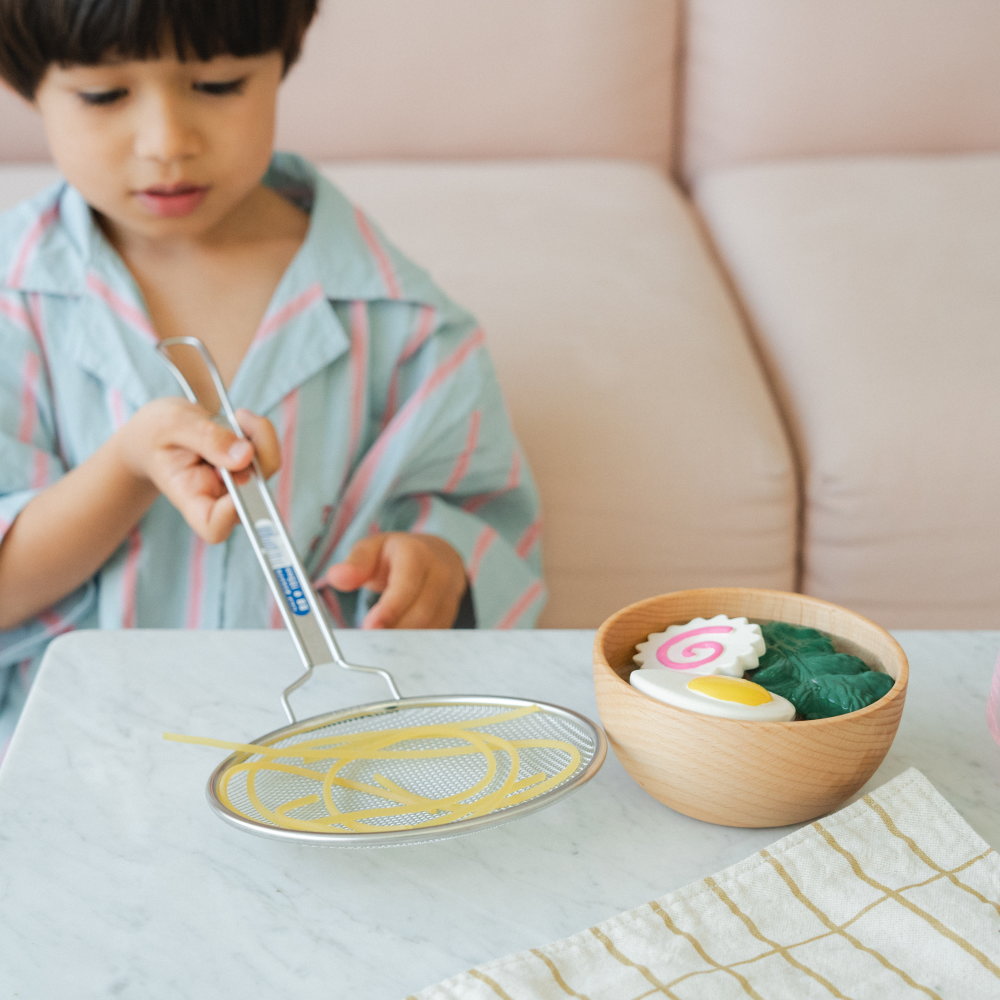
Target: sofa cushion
x,y
661,460
871,285
777,78
449,78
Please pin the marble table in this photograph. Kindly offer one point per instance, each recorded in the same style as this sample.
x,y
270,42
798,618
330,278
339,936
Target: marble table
x,y
117,881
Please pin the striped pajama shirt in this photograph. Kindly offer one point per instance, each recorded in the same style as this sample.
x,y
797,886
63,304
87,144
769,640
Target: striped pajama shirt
x,y
381,390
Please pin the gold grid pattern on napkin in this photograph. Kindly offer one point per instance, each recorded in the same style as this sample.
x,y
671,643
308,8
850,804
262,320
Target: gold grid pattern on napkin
x,y
892,897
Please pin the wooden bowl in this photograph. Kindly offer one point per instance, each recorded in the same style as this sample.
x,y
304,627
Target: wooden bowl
x,y
737,773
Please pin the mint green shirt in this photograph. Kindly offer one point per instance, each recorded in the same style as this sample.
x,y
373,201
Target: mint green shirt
x,y
380,388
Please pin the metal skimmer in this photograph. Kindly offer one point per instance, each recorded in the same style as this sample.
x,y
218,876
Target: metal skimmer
x,y
393,772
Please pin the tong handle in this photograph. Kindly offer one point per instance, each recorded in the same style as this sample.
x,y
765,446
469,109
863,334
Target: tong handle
x,y
286,578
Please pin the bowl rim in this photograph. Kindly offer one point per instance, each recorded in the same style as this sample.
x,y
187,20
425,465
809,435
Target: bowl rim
x,y
896,693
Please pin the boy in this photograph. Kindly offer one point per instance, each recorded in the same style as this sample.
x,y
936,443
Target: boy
x,y
365,391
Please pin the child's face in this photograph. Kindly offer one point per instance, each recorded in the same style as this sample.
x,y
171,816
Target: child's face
x,y
164,150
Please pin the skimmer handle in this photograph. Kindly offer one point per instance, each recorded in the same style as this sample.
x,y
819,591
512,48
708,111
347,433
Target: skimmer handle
x,y
288,582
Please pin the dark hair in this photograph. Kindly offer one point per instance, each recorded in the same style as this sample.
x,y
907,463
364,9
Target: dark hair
x,y
35,34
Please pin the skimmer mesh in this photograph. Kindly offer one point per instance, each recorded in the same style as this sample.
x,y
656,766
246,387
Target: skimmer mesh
x,y
407,767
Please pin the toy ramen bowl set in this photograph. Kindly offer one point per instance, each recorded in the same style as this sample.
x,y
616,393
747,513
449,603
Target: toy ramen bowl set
x,y
721,702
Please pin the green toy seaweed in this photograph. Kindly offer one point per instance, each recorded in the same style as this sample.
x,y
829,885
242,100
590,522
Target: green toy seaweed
x,y
802,665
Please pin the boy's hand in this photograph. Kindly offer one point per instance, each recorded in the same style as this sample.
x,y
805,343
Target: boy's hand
x,y
421,579
175,446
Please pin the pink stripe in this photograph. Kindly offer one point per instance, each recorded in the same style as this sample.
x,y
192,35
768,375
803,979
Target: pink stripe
x,y
31,241
329,598
16,312
521,605
529,539
271,324
359,373
426,323
125,310
40,470
116,405
36,325
359,484
36,322
474,504
29,395
462,464
130,579
378,252
197,583
54,623
993,704
486,538
289,421
423,514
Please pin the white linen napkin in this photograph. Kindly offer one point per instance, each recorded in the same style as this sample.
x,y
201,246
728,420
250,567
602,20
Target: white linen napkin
x,y
892,897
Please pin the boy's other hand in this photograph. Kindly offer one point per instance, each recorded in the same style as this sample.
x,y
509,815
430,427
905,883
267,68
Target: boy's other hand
x,y
176,447
421,579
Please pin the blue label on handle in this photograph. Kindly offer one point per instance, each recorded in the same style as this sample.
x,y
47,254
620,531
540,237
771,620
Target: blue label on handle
x,y
281,565
295,597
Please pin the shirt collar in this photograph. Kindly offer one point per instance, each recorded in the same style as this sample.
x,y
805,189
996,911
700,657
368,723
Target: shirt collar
x,y
49,244
352,257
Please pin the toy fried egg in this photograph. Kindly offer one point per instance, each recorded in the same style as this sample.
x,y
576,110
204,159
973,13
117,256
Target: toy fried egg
x,y
713,694
718,645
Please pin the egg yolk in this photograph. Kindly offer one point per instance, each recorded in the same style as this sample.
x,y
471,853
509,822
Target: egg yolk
x,y
730,689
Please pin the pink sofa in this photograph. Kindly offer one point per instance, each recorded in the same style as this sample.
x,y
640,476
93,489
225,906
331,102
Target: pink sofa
x,y
738,264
